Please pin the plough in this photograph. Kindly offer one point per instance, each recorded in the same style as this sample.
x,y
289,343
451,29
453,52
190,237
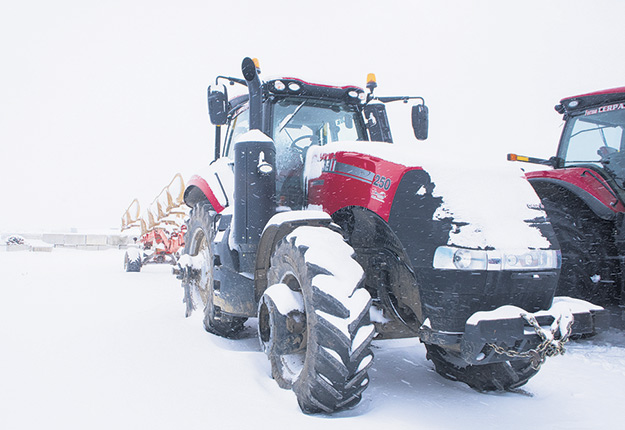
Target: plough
x,y
159,230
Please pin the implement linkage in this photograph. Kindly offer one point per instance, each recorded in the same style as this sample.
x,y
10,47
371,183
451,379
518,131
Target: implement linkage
x,y
552,340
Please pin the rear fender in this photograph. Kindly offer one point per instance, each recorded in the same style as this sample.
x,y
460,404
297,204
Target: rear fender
x,y
215,185
585,183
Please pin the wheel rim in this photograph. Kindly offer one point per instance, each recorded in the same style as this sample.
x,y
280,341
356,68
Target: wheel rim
x,y
205,280
292,364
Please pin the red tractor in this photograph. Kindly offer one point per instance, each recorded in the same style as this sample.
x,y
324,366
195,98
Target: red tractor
x,y
313,220
583,194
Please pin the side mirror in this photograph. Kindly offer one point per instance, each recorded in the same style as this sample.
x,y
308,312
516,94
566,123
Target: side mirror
x,y
218,105
420,121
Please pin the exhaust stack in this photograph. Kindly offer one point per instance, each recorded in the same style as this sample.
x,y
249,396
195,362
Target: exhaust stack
x,y
254,176
250,73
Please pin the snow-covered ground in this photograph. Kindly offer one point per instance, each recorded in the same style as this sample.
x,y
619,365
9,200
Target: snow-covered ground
x,y
84,345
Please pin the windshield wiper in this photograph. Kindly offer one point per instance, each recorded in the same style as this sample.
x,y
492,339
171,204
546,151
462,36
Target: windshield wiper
x,y
592,129
287,119
605,142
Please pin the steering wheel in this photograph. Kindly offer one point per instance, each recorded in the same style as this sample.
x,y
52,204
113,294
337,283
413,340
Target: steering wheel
x,y
605,151
301,148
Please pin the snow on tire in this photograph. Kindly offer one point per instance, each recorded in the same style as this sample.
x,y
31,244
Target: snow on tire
x,y
132,260
327,367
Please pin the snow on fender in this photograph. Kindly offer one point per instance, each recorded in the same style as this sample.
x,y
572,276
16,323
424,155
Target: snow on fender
x,y
291,216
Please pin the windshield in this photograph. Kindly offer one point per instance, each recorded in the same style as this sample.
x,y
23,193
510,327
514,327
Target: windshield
x,y
314,122
596,137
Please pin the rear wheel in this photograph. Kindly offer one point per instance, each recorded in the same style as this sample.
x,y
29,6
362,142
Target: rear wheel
x,y
587,272
132,261
314,320
199,282
502,376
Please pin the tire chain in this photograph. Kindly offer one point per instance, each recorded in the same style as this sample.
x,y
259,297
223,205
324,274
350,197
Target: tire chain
x,y
549,347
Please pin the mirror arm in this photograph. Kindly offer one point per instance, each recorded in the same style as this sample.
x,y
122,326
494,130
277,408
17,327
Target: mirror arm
x,y
555,162
217,141
231,80
398,98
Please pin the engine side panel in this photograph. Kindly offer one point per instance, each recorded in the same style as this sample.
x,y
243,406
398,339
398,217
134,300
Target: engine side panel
x,y
353,179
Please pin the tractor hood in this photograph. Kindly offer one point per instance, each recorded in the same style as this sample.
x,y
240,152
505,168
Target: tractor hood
x,y
482,206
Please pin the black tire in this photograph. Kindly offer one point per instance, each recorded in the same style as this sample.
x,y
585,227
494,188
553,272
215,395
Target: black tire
x,y
328,370
503,376
587,271
132,264
198,284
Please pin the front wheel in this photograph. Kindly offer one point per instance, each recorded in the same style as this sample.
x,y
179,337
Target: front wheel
x,y
314,320
503,376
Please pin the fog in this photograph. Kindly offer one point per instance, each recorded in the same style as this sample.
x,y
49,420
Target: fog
x,y
104,102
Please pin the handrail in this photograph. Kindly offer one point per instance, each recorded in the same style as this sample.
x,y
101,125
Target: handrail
x,y
605,185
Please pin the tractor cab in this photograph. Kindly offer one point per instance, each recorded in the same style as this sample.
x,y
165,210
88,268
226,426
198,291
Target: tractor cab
x,y
296,125
594,134
297,115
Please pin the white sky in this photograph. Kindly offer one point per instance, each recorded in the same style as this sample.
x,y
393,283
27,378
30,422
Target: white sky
x,y
101,102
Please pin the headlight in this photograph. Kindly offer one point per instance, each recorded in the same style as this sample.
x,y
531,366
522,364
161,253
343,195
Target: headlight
x,y
451,258
532,260
447,257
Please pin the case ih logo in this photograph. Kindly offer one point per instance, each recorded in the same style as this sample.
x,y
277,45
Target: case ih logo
x,y
378,195
605,109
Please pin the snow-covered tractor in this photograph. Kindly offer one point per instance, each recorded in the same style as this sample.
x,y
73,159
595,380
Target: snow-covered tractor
x,y
158,234
313,220
584,193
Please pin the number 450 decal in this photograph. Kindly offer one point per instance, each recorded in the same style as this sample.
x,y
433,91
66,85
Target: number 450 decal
x,y
382,182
